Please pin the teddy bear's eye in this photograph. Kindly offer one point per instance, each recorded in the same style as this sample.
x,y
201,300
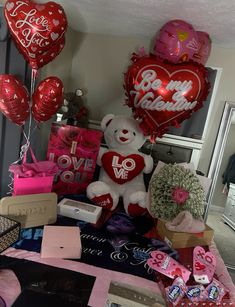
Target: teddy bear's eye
x,y
134,133
116,131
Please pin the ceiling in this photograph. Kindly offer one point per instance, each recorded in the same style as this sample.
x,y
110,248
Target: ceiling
x,y
145,17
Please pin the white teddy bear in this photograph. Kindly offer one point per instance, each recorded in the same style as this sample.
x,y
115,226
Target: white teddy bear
x,y
122,166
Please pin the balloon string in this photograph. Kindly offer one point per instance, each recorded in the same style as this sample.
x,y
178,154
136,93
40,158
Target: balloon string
x,y
34,73
23,150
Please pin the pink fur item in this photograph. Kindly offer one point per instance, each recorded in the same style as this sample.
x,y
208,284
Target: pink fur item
x,y
184,222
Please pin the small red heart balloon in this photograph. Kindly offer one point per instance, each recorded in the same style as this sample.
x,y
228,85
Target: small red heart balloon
x,y
164,94
14,99
47,99
36,28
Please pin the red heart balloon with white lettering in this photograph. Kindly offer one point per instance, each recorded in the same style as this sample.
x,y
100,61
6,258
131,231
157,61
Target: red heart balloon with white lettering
x,y
14,99
122,169
35,28
47,99
164,94
45,57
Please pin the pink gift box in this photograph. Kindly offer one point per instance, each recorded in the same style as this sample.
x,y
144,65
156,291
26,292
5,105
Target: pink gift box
x,y
61,242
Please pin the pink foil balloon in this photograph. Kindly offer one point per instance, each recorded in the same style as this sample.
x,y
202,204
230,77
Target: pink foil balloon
x,y
204,49
177,42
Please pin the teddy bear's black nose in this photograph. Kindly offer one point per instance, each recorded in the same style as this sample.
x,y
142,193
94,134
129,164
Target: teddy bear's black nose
x,y
124,131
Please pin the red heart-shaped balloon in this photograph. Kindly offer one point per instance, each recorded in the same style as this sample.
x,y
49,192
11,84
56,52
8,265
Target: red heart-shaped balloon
x,y
47,99
14,99
164,94
36,28
45,57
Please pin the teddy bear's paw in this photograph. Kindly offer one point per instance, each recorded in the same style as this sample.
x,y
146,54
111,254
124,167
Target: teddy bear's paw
x,y
136,210
135,204
139,198
102,195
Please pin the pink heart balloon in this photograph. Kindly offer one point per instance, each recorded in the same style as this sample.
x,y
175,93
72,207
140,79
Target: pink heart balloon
x,y
204,50
177,42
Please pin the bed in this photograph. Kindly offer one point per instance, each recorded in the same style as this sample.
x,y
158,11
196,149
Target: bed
x,y
97,269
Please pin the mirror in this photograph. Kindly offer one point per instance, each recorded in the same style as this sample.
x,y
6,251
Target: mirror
x,y
224,147
220,208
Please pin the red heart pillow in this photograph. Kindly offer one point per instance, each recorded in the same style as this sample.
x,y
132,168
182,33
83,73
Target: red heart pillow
x,y
122,169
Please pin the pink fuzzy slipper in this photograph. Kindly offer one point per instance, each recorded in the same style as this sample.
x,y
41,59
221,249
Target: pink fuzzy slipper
x,y
184,222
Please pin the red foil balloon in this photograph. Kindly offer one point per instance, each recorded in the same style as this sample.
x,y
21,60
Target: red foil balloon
x,y
46,56
177,42
36,29
47,99
204,50
164,94
14,99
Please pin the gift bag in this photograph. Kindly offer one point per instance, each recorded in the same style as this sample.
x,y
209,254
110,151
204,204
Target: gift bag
x,y
75,151
33,178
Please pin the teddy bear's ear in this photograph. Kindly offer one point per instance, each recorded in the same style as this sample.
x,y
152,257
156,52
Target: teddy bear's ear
x,y
106,121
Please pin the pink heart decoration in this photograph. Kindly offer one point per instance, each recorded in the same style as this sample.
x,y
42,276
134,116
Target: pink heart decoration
x,y
14,99
204,264
47,99
122,169
177,42
164,264
204,50
35,28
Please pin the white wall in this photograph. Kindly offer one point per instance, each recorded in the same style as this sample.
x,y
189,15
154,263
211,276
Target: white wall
x,y
96,63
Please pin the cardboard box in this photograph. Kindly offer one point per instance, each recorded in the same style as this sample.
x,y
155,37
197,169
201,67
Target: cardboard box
x,y
183,239
61,242
9,232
